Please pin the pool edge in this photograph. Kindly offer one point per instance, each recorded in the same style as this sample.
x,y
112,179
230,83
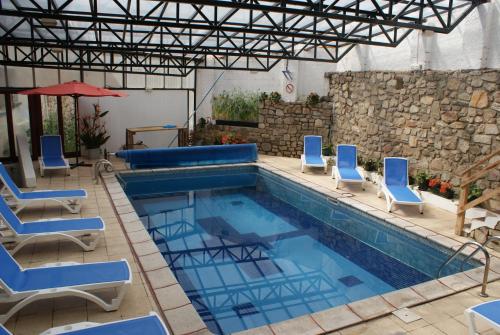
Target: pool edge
x,y
183,318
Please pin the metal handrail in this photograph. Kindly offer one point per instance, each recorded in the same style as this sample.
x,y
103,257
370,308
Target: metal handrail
x,y
490,239
486,264
97,167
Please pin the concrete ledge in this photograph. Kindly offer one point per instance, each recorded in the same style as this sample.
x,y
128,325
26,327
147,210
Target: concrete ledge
x,y
183,318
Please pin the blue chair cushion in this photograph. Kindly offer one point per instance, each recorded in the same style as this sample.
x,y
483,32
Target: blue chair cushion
x,y
396,171
489,310
346,156
72,275
312,145
56,194
148,325
4,331
314,160
51,146
190,156
403,193
53,162
52,226
349,174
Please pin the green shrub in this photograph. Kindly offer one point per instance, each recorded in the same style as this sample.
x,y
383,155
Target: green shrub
x,y
474,192
328,150
236,106
422,179
275,97
263,97
312,99
51,127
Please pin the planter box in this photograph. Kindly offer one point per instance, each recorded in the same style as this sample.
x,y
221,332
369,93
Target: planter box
x,y
249,124
440,202
372,176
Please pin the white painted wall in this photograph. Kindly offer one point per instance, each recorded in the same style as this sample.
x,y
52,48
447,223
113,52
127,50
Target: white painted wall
x,y
141,108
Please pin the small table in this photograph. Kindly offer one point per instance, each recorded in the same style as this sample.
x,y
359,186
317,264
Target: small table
x,y
182,134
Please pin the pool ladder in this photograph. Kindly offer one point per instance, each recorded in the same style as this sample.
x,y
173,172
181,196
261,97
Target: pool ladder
x,y
479,246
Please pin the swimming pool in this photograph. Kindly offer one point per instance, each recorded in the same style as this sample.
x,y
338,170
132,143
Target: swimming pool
x,y
251,248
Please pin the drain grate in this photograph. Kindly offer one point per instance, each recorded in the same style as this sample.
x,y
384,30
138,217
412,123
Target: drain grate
x,y
245,309
237,203
350,281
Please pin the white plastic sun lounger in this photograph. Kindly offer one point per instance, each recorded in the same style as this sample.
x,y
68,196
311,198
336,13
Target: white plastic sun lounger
x,y
145,325
52,157
312,156
346,170
395,185
24,286
71,229
487,311
69,199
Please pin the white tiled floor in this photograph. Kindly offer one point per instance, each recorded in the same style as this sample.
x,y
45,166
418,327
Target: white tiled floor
x,y
443,316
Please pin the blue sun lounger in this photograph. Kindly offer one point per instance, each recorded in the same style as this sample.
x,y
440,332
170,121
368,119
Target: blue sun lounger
x,y
24,286
395,185
69,199
144,325
312,156
487,311
346,170
22,233
52,157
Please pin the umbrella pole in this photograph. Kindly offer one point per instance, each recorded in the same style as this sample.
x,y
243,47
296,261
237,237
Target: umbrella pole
x,y
77,135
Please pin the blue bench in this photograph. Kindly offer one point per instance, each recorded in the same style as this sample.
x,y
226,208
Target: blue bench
x,y
189,156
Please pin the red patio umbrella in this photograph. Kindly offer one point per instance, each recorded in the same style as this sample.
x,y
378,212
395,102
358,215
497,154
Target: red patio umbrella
x,y
74,89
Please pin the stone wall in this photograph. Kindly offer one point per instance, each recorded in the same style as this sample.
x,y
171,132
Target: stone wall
x,y
282,127
442,121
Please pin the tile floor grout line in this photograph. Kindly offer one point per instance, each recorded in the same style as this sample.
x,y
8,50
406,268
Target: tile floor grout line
x,y
129,243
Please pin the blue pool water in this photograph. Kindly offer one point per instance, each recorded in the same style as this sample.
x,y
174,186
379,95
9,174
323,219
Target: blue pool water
x,y
251,248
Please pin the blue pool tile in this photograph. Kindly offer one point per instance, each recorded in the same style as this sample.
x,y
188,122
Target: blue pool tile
x,y
250,248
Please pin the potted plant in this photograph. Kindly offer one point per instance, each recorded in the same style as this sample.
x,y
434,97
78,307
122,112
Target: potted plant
x,y
275,97
422,180
327,150
312,99
436,191
372,169
93,132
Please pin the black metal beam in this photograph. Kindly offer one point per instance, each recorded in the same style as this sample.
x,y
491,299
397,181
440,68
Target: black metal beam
x,y
151,36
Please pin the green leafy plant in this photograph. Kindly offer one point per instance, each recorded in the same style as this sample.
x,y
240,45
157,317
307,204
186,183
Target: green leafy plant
x,y
236,106
202,123
275,97
312,99
93,131
328,150
263,97
422,180
474,192
51,127
370,165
